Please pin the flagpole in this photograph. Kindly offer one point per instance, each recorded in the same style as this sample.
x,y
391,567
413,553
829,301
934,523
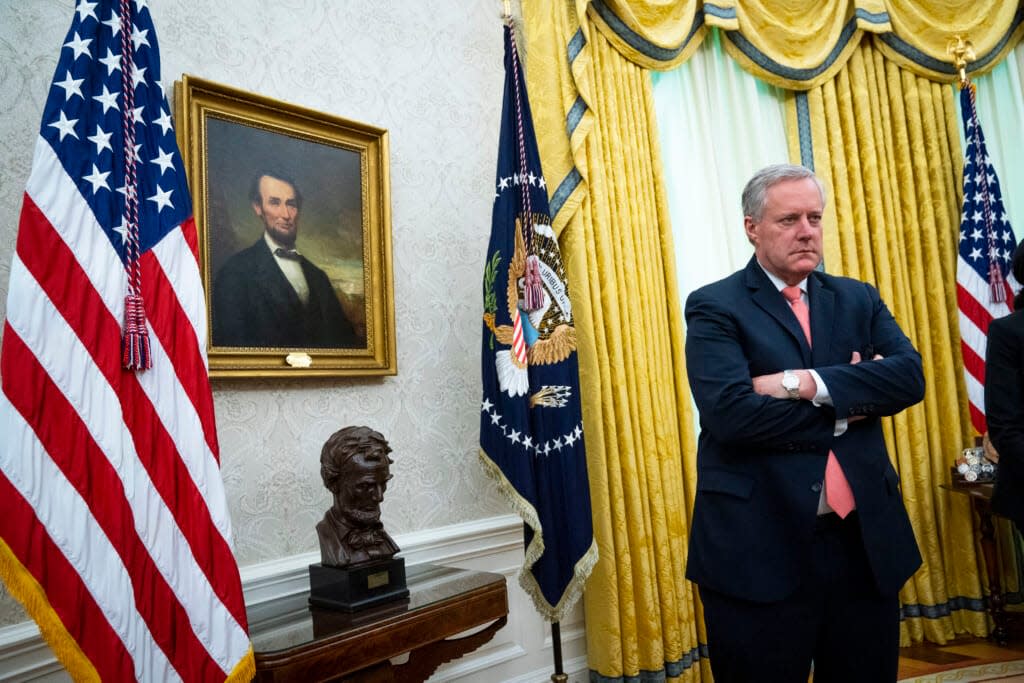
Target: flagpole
x,y
556,643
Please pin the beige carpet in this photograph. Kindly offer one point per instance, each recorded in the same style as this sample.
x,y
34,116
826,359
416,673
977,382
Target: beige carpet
x,y
1001,672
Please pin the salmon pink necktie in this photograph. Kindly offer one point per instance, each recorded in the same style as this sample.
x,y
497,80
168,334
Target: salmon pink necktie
x,y
837,490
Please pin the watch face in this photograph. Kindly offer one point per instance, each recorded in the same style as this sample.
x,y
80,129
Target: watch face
x,y
790,381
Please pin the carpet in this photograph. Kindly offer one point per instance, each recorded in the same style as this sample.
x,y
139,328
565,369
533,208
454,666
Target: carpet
x,y
995,672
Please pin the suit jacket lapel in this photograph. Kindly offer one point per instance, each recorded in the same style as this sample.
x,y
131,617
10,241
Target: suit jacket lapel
x,y
771,300
823,310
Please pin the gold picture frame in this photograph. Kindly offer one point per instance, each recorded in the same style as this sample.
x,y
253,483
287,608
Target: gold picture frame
x,y
241,150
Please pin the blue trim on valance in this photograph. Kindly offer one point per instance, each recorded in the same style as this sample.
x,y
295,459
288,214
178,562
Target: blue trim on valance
x,y
639,43
793,74
720,12
871,18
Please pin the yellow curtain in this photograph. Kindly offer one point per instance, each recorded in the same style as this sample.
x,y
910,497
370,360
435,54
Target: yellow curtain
x,y
885,143
615,238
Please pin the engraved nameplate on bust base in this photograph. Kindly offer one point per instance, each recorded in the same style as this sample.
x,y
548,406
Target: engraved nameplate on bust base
x,y
357,586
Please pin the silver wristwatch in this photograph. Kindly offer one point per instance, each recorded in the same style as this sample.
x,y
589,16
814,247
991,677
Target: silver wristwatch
x,y
791,383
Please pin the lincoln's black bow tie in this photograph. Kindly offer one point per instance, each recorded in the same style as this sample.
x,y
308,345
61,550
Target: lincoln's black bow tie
x,y
364,538
287,253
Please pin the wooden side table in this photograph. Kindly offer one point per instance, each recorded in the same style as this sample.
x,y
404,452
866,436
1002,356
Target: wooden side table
x,y
981,502
296,642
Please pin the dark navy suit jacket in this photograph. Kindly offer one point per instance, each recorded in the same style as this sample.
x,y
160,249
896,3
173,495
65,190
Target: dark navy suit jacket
x,y
255,305
761,460
1004,410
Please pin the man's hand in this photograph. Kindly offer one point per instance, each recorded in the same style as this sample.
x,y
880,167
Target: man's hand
x,y
854,359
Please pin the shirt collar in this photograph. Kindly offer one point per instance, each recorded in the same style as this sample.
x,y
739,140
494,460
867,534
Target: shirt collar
x,y
779,284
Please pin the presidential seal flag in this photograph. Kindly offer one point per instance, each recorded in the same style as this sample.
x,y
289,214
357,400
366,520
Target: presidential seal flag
x,y
114,528
531,430
982,267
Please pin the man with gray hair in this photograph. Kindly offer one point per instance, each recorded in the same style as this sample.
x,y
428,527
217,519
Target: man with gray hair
x,y
800,541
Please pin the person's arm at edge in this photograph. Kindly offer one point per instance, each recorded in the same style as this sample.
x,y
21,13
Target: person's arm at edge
x,y
1004,396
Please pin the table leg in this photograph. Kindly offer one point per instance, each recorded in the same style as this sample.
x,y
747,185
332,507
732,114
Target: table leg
x,y
996,600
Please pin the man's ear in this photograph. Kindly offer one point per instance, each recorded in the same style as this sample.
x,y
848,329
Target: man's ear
x,y
749,226
257,209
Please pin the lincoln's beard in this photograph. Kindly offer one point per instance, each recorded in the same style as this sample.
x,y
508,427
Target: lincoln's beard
x,y
285,236
362,517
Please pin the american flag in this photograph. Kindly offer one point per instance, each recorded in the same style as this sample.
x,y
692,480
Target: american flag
x,y
986,245
113,518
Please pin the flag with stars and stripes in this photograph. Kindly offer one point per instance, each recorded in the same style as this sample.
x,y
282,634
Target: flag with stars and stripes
x,y
986,245
531,429
114,527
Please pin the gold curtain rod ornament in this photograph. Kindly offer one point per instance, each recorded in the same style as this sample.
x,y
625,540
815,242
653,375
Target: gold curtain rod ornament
x,y
962,52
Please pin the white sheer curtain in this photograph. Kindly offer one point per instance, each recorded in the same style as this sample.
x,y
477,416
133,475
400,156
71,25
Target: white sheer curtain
x,y
717,125
1000,104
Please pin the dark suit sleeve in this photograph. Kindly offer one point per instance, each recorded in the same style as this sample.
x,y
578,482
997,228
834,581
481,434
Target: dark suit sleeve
x,y
718,368
1004,393
877,387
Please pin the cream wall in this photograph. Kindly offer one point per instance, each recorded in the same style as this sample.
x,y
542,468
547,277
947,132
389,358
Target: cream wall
x,y
429,72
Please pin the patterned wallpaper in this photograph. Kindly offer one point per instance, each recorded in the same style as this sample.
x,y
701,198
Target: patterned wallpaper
x,y
430,73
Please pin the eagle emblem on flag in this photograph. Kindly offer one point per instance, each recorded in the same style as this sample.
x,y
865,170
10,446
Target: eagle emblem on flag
x,y
539,337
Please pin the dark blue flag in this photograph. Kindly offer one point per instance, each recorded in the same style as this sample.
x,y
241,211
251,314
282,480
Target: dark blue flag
x,y
986,244
531,430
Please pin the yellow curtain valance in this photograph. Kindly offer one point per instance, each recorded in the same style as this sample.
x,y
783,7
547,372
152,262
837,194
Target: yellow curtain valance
x,y
656,34
800,44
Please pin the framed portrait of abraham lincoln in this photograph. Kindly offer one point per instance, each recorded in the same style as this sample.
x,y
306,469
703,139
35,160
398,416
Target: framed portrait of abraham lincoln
x,y
292,209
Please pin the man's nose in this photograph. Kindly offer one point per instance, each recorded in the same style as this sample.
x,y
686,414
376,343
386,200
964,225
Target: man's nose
x,y
378,493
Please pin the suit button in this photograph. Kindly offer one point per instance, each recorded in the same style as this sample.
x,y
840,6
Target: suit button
x,y
816,487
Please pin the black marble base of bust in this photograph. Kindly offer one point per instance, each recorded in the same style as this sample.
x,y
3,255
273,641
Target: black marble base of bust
x,y
358,586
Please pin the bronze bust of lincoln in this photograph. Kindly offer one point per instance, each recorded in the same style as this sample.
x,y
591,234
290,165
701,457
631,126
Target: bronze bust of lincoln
x,y
355,468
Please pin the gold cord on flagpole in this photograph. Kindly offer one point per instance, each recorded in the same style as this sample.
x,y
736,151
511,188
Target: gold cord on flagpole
x,y
508,10
962,52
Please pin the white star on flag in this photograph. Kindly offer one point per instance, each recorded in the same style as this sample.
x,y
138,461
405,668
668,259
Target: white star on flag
x,y
162,198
